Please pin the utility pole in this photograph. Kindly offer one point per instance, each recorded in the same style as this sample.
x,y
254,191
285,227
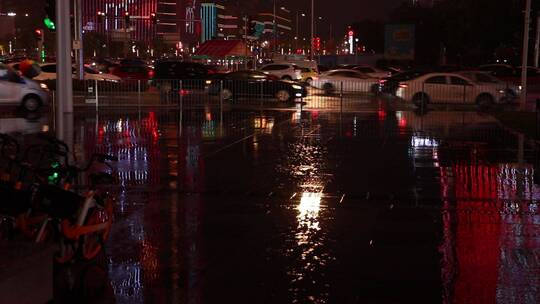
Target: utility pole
x,y
525,54
246,41
537,40
296,35
274,30
312,28
77,42
64,92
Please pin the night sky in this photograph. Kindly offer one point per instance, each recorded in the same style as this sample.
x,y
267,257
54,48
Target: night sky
x,y
339,13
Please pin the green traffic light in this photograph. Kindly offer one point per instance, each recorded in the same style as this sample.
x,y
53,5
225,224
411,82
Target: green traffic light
x,y
49,23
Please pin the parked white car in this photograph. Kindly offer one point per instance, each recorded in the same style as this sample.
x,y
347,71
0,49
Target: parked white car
x,y
455,88
48,72
350,80
285,71
18,90
372,72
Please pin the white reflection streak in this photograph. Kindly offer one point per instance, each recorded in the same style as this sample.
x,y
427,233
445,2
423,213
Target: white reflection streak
x,y
308,215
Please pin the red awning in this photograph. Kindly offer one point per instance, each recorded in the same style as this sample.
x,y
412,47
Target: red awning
x,y
222,48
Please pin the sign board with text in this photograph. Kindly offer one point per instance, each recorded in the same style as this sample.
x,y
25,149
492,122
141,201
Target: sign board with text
x,y
399,42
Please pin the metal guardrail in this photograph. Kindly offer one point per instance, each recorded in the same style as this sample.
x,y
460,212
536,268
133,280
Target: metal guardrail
x,y
336,95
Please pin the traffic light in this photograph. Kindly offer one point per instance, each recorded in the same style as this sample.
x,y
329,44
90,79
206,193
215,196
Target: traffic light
x,y
153,18
126,18
100,16
318,43
38,34
50,15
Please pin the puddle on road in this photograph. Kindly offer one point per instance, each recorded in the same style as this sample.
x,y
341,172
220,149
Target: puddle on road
x,y
479,182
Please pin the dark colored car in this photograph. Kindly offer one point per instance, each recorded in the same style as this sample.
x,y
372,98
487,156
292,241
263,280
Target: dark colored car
x,y
133,62
173,75
389,85
255,84
133,72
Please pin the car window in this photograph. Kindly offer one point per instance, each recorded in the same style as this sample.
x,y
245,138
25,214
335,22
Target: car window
x,y
407,75
437,80
365,69
90,70
3,72
275,67
238,75
485,78
458,81
270,68
356,75
50,68
7,74
132,69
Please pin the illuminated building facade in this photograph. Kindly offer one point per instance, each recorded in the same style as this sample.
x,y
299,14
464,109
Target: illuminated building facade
x,y
217,23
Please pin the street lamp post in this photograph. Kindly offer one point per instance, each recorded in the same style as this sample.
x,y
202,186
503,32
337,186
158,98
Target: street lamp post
x,y
296,33
274,29
64,93
312,29
525,54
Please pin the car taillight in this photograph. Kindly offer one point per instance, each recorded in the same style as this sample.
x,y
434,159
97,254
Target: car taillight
x,y
151,73
403,85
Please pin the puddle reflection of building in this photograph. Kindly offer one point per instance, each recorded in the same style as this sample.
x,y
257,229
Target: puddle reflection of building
x,y
490,217
136,143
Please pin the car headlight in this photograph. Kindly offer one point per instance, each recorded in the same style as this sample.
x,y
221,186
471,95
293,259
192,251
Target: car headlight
x,y
43,86
296,87
110,80
208,82
502,91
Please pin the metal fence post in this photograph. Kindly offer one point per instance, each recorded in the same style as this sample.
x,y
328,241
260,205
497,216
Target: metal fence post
x,y
262,93
464,93
341,109
53,97
220,101
139,93
341,98
181,90
422,101
97,94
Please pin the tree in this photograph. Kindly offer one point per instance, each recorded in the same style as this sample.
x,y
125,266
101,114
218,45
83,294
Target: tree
x,y
370,34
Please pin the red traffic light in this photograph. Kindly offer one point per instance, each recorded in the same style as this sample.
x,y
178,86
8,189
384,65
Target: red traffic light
x,y
38,33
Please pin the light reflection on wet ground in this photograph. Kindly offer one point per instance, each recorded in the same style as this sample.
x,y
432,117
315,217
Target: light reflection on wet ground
x,y
290,207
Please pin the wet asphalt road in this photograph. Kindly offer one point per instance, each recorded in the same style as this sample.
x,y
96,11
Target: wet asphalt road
x,y
377,206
